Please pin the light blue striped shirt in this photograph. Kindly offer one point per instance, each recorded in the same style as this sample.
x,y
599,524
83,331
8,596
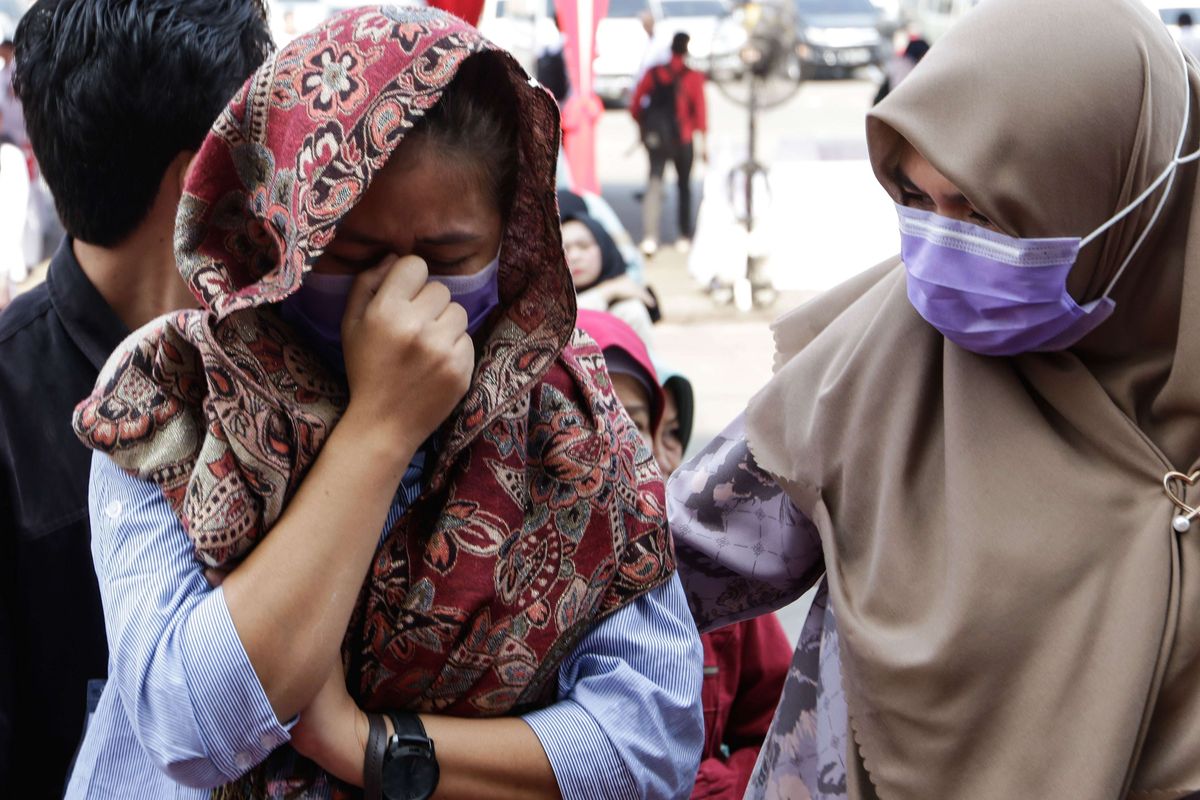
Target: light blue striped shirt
x,y
183,710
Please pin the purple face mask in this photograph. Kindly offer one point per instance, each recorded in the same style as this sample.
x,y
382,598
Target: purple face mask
x,y
998,295
317,307
990,293
316,310
479,294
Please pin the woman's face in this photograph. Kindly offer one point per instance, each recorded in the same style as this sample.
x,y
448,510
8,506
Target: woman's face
x,y
583,253
423,203
633,396
668,444
924,188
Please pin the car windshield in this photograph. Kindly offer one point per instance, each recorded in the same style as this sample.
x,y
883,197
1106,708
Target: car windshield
x,y
504,8
835,7
693,8
1171,15
627,8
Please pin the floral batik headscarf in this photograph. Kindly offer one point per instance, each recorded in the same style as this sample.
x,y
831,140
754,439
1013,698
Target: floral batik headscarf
x,y
543,513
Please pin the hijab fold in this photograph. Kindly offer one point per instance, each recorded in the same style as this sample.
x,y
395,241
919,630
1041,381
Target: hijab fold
x,y
544,511
1017,617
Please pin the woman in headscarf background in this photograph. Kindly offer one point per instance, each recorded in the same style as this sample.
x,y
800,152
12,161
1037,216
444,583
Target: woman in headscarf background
x,y
595,206
326,423
988,446
745,663
599,274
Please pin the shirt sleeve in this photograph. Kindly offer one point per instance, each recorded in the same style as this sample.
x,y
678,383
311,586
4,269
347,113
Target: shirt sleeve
x,y
743,548
629,722
639,92
698,102
183,678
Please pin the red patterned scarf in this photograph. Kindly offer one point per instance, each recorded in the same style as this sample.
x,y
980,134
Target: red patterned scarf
x,y
544,512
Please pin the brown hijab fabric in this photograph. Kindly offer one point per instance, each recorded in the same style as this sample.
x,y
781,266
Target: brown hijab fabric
x,y
1017,616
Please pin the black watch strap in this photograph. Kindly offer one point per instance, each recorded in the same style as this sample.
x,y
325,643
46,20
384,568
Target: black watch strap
x,y
408,725
410,743
377,740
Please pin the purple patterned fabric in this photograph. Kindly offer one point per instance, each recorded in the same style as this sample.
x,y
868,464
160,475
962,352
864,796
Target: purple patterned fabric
x,y
744,550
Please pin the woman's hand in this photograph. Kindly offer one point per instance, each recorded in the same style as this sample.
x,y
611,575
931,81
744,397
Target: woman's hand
x,y
333,731
626,288
408,356
499,758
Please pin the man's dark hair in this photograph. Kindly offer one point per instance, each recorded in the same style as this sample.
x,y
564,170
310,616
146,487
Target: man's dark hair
x,y
679,43
114,90
1184,20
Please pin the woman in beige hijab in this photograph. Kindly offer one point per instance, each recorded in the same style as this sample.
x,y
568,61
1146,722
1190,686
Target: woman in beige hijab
x,y
1011,603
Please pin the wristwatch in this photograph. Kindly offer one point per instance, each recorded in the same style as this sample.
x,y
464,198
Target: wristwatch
x,y
410,767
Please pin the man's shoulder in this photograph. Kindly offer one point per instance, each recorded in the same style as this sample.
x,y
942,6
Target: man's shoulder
x,y
23,316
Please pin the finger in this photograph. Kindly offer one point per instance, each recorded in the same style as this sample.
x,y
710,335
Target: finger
x,y
405,281
464,349
454,318
431,301
366,286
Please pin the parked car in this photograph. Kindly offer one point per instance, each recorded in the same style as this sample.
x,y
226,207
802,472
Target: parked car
x,y
1169,13
835,37
621,42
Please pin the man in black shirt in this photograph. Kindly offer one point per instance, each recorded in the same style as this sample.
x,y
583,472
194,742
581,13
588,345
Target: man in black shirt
x,y
118,95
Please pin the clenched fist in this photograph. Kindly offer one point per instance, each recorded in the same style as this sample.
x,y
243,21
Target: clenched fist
x,y
408,355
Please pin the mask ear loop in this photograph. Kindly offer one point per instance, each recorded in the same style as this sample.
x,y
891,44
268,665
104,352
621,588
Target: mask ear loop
x,y
1168,174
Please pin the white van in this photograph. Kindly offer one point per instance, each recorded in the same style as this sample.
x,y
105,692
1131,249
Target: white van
x,y
1169,12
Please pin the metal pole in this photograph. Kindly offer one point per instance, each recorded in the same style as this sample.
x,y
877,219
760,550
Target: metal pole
x,y
751,170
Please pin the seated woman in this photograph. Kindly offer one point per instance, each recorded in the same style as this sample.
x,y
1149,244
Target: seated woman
x,y
442,546
595,206
988,446
598,272
679,416
745,663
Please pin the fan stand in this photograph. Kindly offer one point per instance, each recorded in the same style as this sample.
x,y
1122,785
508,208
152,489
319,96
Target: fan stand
x,y
753,289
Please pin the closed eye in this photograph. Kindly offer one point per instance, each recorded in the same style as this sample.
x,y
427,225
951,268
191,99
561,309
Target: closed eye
x,y
441,266
363,263
916,199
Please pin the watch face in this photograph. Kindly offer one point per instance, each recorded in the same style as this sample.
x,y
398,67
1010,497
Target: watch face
x,y
409,777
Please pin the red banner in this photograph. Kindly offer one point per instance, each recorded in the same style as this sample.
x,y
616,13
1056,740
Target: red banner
x,y
467,10
578,20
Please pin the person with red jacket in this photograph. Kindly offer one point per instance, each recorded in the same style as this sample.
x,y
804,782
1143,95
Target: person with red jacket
x,y
745,664
668,105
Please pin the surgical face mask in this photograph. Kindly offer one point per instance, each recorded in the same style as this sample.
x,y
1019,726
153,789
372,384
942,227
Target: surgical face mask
x,y
999,295
317,307
316,310
479,294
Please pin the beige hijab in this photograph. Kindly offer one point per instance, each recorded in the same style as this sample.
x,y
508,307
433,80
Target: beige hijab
x,y
1017,617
